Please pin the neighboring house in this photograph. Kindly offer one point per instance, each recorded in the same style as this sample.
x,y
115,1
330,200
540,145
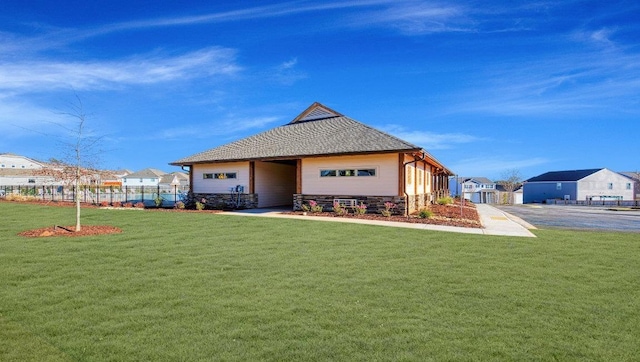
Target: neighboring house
x,y
18,170
175,180
585,185
146,177
320,155
635,177
479,190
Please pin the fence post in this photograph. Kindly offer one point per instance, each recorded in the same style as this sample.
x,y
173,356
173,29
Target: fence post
x,y
142,192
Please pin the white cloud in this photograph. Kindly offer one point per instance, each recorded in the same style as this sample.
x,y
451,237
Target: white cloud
x,y
39,75
230,126
493,167
430,140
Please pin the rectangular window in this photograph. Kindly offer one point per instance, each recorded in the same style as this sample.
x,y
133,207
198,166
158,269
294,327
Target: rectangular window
x,y
219,175
141,180
420,177
32,181
348,172
628,186
559,186
367,172
610,186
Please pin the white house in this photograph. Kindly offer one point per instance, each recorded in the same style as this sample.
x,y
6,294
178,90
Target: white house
x,y
479,190
18,170
598,184
146,177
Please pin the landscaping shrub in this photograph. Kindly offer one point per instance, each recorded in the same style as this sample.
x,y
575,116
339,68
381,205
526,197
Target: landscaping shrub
x,y
388,209
360,209
425,214
339,209
447,200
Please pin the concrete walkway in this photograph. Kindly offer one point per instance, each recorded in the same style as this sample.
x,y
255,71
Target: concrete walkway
x,y
494,221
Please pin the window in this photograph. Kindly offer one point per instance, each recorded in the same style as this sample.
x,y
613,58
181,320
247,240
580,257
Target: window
x,y
3,166
367,172
141,180
409,175
31,181
348,172
559,186
420,177
610,186
629,186
219,175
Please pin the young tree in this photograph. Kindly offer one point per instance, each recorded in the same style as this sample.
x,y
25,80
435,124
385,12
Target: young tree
x,y
80,150
511,180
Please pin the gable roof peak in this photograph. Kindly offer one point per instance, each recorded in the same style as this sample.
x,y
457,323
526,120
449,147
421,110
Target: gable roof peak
x,y
315,112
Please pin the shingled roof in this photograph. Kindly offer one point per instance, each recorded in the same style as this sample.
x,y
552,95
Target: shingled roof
x,y
563,176
318,131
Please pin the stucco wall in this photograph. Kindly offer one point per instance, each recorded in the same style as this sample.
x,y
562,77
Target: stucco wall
x,y
201,185
385,182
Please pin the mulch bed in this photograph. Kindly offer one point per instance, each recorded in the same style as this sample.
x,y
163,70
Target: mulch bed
x,y
448,215
69,231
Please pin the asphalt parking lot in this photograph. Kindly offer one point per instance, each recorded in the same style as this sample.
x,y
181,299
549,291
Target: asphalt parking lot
x,y
576,217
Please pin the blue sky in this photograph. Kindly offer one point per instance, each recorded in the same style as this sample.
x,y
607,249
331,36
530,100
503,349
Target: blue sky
x,y
485,87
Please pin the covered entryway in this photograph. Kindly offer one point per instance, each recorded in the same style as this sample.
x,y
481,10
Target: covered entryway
x,y
274,182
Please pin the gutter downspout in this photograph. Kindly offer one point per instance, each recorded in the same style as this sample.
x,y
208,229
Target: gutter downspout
x,y
190,177
404,181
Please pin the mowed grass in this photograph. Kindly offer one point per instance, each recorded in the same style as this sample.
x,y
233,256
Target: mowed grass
x,y
194,287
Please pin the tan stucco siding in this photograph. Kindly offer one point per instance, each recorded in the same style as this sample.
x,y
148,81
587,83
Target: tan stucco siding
x,y
201,185
275,183
384,183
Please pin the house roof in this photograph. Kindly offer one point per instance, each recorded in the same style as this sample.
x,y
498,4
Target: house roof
x,y
318,131
562,176
480,180
146,173
632,175
168,178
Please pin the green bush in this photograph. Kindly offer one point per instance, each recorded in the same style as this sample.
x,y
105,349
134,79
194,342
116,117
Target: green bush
x,y
425,214
447,200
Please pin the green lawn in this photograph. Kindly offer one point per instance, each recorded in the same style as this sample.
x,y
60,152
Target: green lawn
x,y
189,286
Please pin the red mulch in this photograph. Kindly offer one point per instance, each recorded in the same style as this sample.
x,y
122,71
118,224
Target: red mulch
x,y
85,230
449,215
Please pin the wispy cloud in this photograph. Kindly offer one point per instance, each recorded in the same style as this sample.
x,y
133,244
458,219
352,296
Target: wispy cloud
x,y
230,126
430,140
416,17
493,167
578,83
39,75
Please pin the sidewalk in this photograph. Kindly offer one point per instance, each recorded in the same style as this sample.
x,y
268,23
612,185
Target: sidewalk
x,y
494,221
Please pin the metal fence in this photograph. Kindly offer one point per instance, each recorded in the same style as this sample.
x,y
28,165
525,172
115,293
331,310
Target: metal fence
x,y
100,194
623,203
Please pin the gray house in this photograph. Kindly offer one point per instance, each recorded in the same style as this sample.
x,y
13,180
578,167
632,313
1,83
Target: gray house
x,y
598,184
